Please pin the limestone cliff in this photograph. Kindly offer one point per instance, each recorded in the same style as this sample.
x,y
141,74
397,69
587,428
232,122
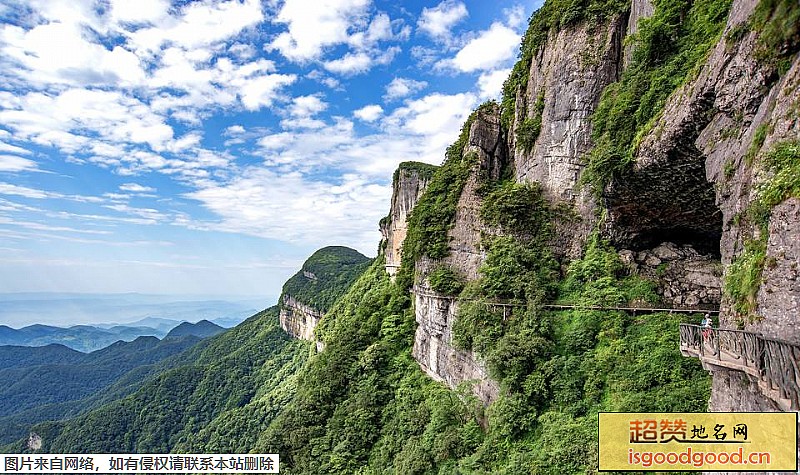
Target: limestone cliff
x,y
410,181
698,171
297,319
566,79
436,313
676,208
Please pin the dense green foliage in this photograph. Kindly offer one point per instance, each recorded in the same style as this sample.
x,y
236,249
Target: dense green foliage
x,y
423,170
364,406
528,130
778,24
201,329
669,45
553,16
445,280
743,278
332,269
84,338
26,356
41,383
222,398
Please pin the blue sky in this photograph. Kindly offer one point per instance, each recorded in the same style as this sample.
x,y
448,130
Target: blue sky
x,y
208,147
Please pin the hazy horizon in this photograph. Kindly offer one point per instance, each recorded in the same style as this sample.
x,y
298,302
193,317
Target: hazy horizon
x,y
66,309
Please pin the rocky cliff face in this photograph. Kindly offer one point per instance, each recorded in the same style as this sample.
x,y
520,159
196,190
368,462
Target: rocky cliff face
x,y
435,352
567,78
686,278
435,313
298,319
678,216
409,183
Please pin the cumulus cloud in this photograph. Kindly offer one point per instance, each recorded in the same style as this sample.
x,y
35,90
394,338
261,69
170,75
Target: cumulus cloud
x,y
402,87
490,49
264,203
369,113
360,62
313,25
438,21
306,106
12,163
491,83
199,24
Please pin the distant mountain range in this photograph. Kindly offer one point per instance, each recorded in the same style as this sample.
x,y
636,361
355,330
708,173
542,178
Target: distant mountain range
x,y
83,338
39,383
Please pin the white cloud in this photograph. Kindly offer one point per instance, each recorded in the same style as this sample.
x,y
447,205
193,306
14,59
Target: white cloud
x,y
263,90
314,25
490,49
7,147
47,227
52,120
369,113
302,123
306,106
140,11
25,192
12,163
199,24
434,114
438,21
402,87
264,203
58,53
145,213
491,83
320,77
136,188
361,62
264,200
234,130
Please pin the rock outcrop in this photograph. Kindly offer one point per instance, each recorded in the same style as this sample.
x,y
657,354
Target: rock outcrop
x,y
686,278
435,352
410,181
298,319
698,171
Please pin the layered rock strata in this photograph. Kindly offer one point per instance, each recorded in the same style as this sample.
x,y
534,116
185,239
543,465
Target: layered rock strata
x,y
407,187
298,319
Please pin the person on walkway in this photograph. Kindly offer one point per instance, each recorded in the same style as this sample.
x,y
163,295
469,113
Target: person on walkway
x,y
706,325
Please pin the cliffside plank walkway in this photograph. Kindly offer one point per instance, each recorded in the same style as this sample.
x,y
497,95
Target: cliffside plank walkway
x,y
771,362
416,290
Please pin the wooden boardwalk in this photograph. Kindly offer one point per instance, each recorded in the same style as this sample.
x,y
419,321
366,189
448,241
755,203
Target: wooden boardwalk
x,y
772,363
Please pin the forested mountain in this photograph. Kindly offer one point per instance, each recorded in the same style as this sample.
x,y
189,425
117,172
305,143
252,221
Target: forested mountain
x,y
630,164
51,382
325,276
221,394
201,329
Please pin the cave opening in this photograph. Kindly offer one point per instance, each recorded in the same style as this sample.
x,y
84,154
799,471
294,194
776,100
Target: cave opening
x,y
665,202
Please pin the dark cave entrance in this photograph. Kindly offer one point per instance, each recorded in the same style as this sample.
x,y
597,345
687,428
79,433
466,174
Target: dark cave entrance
x,y
669,201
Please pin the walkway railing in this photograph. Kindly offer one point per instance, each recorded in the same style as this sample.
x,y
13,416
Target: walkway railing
x,y
774,362
423,292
